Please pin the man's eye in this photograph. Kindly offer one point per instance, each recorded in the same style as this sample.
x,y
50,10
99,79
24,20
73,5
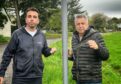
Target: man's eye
x,y
78,23
34,16
29,16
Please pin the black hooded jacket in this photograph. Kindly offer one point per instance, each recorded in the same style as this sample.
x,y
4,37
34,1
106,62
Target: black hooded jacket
x,y
87,62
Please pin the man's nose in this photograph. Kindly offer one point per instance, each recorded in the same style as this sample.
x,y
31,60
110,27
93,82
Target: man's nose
x,y
80,25
32,19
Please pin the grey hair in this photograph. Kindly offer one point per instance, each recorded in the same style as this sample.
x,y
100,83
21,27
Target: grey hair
x,y
76,16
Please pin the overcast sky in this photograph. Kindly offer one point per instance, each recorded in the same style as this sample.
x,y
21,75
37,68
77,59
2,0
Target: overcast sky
x,y
111,8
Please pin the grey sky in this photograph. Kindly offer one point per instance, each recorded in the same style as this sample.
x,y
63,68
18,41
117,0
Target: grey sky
x,y
111,8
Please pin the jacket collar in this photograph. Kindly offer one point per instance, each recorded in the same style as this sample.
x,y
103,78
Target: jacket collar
x,y
23,29
87,33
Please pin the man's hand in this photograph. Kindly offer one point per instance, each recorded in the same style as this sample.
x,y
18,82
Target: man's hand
x,y
92,44
1,80
53,50
70,52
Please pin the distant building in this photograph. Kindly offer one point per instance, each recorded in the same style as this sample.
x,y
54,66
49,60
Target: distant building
x,y
6,31
119,26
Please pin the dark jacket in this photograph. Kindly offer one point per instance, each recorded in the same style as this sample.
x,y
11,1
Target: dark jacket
x,y
26,52
87,62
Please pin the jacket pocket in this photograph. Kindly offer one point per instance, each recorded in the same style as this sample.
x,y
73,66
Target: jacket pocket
x,y
39,66
21,65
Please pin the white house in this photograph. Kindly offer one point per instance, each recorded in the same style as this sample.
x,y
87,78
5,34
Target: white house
x,y
6,31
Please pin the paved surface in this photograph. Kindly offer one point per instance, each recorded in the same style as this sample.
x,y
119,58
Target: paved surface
x,y
8,75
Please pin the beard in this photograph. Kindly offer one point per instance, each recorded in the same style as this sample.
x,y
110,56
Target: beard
x,y
32,26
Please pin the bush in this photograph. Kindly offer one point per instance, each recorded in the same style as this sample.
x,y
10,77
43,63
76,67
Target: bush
x,y
3,39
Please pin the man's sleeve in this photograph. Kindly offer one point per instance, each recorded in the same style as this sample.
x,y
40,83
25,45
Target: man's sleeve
x,y
46,50
74,42
102,52
8,54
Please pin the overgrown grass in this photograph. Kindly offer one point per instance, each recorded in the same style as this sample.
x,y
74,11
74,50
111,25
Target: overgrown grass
x,y
52,35
53,66
55,35
111,68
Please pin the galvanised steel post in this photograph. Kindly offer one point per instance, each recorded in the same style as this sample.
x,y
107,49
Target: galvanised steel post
x,y
64,41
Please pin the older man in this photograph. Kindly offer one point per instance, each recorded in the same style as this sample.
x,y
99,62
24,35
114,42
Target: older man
x,y
88,52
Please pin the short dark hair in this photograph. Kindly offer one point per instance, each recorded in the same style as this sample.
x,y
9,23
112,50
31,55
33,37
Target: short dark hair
x,y
32,9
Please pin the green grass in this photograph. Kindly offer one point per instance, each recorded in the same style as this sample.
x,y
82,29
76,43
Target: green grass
x,y
3,39
52,35
55,35
53,66
111,68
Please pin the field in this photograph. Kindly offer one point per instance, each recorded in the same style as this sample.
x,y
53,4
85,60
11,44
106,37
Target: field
x,y
111,68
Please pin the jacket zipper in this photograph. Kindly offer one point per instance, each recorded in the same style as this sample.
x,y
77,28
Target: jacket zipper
x,y
77,60
33,53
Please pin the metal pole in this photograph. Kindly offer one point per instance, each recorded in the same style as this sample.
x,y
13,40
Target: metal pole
x,y
65,41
